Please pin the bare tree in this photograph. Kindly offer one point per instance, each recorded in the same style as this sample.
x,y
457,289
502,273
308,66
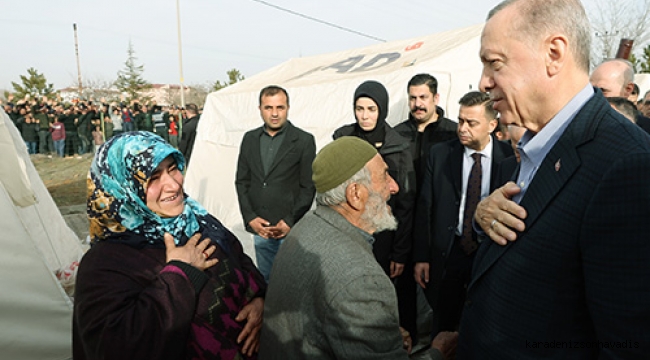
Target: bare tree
x,y
614,20
195,93
97,88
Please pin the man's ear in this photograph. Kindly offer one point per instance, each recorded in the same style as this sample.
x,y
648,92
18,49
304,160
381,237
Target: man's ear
x,y
557,49
492,124
628,89
353,196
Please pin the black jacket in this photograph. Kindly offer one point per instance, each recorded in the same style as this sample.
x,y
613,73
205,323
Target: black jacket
x,y
187,139
441,130
287,191
438,205
394,245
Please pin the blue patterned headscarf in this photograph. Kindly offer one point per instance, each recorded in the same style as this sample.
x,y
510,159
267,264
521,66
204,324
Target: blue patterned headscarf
x,y
117,189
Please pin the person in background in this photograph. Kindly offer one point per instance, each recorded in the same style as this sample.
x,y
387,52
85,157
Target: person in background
x,y
128,120
29,130
457,175
427,124
615,78
173,131
69,120
624,106
116,119
58,136
160,120
189,130
98,138
163,278
143,119
392,248
45,144
273,178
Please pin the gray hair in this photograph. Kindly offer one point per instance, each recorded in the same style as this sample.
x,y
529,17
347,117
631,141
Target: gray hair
x,y
336,195
542,17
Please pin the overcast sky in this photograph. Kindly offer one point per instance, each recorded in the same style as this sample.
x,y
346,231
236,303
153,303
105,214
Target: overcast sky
x,y
217,35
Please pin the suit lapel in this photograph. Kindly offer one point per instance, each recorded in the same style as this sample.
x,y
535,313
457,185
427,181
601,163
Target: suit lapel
x,y
556,169
456,167
287,144
255,154
497,157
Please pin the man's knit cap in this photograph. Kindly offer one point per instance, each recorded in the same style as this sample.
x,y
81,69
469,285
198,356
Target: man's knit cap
x,y
339,160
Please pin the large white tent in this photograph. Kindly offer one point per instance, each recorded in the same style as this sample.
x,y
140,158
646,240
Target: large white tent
x,y
35,312
321,89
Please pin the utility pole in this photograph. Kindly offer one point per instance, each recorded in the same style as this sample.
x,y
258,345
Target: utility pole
x,y
76,50
180,53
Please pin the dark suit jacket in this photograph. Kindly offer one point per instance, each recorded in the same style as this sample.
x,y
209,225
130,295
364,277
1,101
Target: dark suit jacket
x,y
436,215
580,272
287,191
187,139
508,170
643,122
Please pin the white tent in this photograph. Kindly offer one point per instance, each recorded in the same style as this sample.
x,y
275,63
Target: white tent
x,y
35,312
643,81
321,89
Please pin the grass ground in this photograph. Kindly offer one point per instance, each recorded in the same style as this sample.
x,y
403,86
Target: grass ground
x,y
65,178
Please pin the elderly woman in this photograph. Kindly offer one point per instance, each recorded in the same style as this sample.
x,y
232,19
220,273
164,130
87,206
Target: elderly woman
x,y
163,279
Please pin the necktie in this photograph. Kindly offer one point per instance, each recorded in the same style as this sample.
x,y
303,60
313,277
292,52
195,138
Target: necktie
x,y
472,198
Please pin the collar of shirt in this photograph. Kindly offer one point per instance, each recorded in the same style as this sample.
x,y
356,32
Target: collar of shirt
x,y
533,148
367,236
266,131
486,152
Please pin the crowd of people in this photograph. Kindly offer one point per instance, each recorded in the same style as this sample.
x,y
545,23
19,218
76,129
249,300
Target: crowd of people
x,y
523,223
53,127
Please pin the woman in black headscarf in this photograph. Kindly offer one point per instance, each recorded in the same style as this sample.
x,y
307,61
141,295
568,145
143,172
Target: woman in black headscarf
x,y
392,249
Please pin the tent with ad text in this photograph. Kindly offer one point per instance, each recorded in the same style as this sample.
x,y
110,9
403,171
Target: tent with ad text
x,y
321,89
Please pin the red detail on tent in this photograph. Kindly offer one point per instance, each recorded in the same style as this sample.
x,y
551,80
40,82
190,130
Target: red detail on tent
x,y
415,46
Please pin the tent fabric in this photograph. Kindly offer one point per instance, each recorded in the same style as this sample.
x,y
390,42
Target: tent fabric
x,y
14,174
321,90
35,312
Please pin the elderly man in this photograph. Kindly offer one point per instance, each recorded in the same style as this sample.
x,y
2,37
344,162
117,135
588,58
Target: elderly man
x,y
570,279
328,298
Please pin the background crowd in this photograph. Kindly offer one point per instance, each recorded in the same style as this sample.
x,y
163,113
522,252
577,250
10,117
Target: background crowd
x,y
51,126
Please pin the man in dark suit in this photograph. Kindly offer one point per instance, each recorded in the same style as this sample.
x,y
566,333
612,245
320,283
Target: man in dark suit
x,y
189,131
458,173
273,178
566,275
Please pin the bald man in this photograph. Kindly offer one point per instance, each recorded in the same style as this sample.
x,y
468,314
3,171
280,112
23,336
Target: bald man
x,y
615,78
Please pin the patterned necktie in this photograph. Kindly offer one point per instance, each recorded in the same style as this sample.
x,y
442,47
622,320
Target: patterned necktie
x,y
472,198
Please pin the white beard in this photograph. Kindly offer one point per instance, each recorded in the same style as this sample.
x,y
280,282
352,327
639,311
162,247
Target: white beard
x,y
377,214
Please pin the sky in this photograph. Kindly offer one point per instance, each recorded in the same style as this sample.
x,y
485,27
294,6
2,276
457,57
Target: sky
x,y
217,35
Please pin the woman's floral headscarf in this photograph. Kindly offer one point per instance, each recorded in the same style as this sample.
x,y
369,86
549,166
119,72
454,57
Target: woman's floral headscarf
x,y
117,188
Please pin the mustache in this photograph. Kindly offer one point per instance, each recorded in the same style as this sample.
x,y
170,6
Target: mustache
x,y
419,108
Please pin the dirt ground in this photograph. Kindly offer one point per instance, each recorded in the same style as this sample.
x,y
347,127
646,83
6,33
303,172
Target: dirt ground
x,y
65,178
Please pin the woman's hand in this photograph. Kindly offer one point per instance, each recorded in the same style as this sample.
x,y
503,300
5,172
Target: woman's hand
x,y
252,313
194,252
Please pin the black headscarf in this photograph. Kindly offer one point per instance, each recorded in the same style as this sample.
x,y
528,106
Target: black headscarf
x,y
377,92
